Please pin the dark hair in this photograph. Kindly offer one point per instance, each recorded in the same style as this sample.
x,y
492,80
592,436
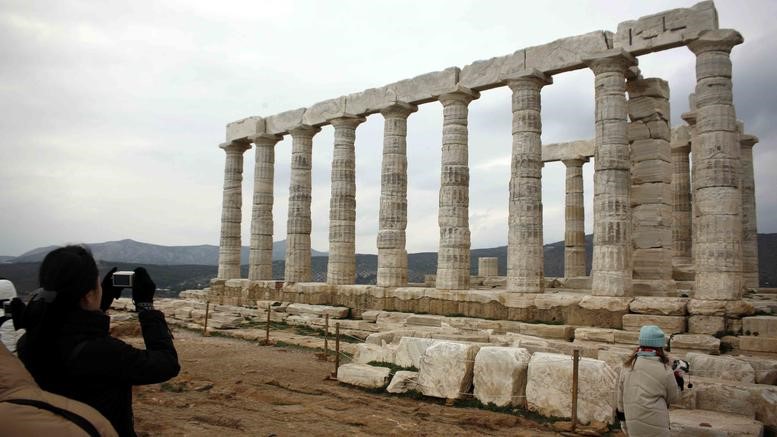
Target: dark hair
x,y
659,353
70,272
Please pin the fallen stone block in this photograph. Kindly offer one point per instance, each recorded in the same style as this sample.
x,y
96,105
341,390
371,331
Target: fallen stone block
x,y
550,384
386,337
721,367
765,369
403,382
370,316
411,349
500,375
595,334
392,318
615,357
184,313
668,324
446,369
367,353
362,375
224,322
434,321
757,401
563,332
701,423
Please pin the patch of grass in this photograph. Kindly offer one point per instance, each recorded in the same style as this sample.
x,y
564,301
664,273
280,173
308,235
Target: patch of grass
x,y
391,366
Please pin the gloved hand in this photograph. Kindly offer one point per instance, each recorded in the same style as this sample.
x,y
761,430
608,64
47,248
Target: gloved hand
x,y
109,291
143,290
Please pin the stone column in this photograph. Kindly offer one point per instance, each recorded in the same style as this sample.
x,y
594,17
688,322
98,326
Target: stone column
x,y
453,262
574,219
341,268
392,221
298,223
260,255
611,269
749,228
229,244
525,269
681,197
651,186
717,195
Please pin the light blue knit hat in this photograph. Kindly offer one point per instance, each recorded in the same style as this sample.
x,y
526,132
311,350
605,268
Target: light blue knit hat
x,y
651,336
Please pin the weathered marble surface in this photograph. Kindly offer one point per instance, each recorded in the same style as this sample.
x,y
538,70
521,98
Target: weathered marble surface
x,y
500,375
549,388
446,369
411,349
362,375
721,367
403,382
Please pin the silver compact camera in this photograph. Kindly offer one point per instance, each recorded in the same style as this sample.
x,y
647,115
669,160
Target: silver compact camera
x,y
123,279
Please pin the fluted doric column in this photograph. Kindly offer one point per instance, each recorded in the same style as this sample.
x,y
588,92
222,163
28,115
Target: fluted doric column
x,y
229,243
341,268
298,224
749,226
392,219
260,255
611,264
453,262
718,199
574,219
525,269
681,197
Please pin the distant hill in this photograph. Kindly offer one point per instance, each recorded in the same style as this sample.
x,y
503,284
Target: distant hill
x,y
131,251
177,277
4,259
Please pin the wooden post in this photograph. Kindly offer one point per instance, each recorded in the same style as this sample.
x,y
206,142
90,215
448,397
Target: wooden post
x,y
337,347
575,360
205,326
267,328
326,336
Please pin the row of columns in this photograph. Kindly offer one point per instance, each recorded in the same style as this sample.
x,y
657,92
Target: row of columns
x,y
716,187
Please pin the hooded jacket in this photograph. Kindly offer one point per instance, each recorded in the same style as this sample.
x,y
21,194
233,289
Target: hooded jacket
x,y
99,370
644,394
25,420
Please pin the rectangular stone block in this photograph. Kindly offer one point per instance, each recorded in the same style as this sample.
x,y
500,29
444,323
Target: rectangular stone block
x,y
564,332
652,214
646,237
647,107
446,369
668,324
570,150
695,342
647,149
279,124
652,170
245,128
426,87
763,326
666,29
567,54
648,88
362,375
749,343
500,375
659,192
320,113
710,325
699,423
665,306
595,334
489,73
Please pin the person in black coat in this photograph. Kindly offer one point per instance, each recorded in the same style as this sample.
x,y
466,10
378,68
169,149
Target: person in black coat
x,y
68,348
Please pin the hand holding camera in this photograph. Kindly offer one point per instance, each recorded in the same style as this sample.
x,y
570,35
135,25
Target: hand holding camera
x,y
143,289
111,290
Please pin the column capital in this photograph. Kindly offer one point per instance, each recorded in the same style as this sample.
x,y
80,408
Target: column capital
x,y
304,131
458,94
689,117
748,140
347,120
528,78
721,40
575,162
612,60
265,139
235,146
399,109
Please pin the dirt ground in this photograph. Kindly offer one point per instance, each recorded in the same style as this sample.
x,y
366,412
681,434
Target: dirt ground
x,y
234,387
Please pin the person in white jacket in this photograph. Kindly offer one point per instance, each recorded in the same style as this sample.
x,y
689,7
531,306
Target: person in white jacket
x,y
8,335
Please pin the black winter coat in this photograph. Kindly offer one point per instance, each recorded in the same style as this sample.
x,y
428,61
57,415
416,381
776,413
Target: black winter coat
x,y
90,366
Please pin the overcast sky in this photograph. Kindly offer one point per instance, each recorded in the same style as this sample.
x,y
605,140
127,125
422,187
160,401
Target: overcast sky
x,y
111,112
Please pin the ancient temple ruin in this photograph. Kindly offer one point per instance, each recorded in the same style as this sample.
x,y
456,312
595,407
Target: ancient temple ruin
x,y
660,230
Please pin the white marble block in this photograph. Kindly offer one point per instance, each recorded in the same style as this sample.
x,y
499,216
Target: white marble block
x,y
446,369
500,375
